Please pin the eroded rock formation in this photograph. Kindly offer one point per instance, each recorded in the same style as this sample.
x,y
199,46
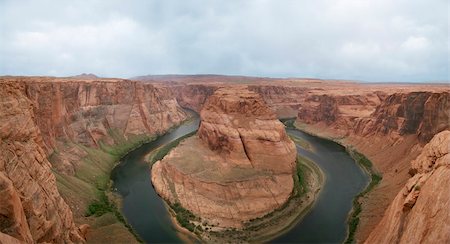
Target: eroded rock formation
x,y
419,113
420,212
238,167
31,208
58,118
85,111
391,134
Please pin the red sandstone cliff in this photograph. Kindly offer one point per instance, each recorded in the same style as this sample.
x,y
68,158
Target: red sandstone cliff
x,y
90,112
84,111
42,116
238,167
391,136
31,209
420,212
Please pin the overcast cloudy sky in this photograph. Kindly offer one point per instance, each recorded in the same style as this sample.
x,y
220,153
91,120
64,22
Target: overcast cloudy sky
x,y
378,40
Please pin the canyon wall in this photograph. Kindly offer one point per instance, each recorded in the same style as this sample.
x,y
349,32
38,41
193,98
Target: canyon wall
x,y
193,96
85,111
67,128
391,136
95,112
31,208
420,212
238,167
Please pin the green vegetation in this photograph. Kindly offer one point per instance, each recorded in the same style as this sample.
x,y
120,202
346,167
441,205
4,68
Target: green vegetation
x,y
300,185
360,158
99,207
89,186
353,220
159,154
184,216
103,206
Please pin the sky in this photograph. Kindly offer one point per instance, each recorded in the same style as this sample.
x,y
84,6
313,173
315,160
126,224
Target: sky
x,y
378,40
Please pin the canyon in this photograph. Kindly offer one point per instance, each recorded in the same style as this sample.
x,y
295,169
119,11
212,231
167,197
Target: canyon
x,y
60,138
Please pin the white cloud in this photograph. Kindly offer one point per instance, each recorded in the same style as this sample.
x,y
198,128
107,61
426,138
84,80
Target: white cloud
x,y
414,43
382,40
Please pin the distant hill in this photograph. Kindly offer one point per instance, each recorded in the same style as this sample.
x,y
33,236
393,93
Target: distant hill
x,y
85,76
199,78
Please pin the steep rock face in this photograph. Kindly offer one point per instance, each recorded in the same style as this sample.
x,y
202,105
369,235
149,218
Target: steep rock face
x,y
400,114
238,167
420,212
31,209
390,135
284,100
86,111
420,113
238,123
193,96
326,110
94,111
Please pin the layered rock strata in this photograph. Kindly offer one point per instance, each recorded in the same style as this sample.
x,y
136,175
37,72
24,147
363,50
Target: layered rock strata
x,y
62,120
238,167
420,212
31,208
85,111
391,135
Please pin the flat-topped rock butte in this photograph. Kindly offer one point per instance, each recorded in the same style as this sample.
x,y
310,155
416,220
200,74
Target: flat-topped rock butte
x,y
238,167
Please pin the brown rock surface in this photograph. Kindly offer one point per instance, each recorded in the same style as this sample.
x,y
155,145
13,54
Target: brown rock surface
x,y
421,113
85,111
390,136
238,167
415,111
31,208
63,119
94,111
420,212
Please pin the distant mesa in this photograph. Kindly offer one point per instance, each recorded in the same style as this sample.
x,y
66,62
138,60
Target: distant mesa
x,y
85,76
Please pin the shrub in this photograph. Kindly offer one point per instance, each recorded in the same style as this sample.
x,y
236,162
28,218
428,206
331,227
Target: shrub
x,y
184,216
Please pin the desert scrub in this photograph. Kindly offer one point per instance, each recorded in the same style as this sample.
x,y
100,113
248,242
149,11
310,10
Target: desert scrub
x,y
103,205
99,207
184,216
300,186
